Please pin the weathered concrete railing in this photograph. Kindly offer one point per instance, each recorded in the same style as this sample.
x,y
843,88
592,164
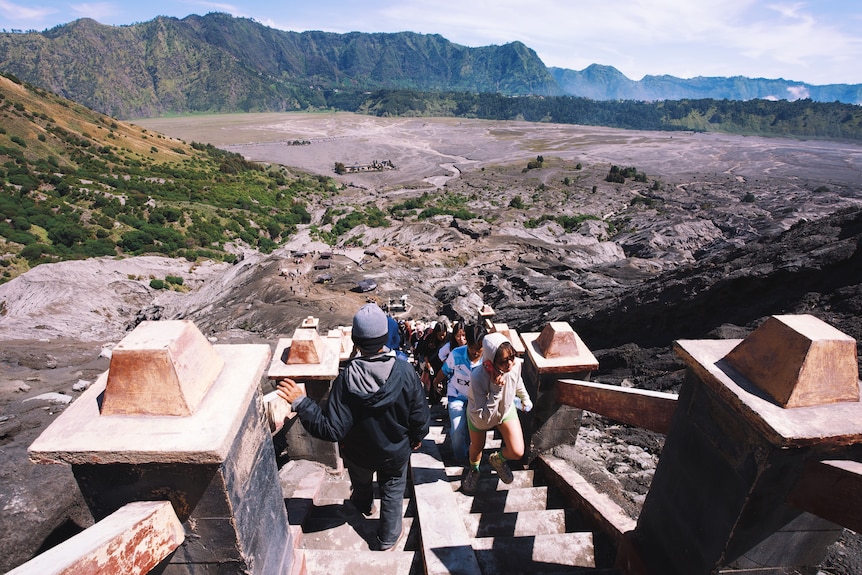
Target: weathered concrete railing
x,y
556,352
132,541
762,453
831,489
312,361
652,410
178,419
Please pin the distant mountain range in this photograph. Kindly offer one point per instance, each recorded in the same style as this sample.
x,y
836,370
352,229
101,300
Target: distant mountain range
x,y
607,83
218,63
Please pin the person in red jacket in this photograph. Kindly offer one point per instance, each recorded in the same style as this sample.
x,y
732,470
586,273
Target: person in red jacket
x,y
377,412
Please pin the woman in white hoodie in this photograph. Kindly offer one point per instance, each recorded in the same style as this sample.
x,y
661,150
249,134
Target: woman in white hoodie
x,y
494,385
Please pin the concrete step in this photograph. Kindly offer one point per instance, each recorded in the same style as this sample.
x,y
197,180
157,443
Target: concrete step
x,y
525,526
331,528
512,500
446,546
336,486
334,523
540,554
301,483
328,562
301,478
583,496
524,523
437,433
489,481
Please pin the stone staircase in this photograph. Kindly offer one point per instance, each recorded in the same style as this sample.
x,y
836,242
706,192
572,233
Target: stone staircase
x,y
331,536
523,527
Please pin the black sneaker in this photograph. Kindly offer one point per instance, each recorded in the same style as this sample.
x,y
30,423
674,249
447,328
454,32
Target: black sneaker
x,y
501,467
367,512
390,546
470,482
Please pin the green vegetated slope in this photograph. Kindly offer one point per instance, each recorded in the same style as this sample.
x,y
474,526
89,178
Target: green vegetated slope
x,y
78,184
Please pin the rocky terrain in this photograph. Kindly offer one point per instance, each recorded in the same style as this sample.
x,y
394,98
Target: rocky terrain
x,y
736,229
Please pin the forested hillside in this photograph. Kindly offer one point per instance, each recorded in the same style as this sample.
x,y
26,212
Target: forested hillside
x,y
801,118
79,184
217,63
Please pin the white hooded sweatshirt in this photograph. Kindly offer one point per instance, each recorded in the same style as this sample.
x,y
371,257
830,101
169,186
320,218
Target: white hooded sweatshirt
x,y
487,401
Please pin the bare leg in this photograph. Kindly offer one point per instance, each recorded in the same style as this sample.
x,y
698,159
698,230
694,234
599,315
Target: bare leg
x,y
513,439
477,444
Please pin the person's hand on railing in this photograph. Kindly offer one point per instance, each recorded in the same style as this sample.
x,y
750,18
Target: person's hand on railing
x,y
288,390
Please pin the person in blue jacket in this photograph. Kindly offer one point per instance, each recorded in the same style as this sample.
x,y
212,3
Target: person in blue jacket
x,y
393,341
377,412
457,368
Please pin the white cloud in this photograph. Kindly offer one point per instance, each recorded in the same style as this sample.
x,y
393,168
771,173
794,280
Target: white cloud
x,y
758,38
790,10
679,37
17,12
99,11
798,92
798,46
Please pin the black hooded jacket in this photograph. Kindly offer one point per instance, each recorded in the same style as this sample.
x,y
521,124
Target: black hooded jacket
x,y
376,410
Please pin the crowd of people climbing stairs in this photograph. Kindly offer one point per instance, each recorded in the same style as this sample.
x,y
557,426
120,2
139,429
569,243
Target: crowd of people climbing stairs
x,y
379,405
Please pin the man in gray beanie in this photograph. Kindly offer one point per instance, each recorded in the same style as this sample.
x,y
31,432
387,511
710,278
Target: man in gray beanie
x,y
377,412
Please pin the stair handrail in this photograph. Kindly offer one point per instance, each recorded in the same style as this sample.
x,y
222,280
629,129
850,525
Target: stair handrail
x,y
651,410
133,540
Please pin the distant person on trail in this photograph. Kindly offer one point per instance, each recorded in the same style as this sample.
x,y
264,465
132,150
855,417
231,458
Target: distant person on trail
x,y
457,368
376,412
494,385
428,351
393,341
416,338
457,337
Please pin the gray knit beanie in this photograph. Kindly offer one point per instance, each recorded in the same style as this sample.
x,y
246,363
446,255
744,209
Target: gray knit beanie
x,y
370,328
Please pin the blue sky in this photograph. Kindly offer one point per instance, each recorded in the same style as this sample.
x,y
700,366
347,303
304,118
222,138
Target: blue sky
x,y
814,41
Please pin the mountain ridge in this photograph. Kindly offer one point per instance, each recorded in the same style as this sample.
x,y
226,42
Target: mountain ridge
x,y
219,63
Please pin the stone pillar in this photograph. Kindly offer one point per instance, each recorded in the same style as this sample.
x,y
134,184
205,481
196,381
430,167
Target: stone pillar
x,y
484,317
176,418
343,335
734,452
512,335
555,353
313,361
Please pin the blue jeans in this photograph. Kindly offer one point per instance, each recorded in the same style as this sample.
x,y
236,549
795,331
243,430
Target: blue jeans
x,y
391,483
458,432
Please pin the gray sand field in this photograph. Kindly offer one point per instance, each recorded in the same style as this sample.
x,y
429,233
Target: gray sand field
x,y
429,151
